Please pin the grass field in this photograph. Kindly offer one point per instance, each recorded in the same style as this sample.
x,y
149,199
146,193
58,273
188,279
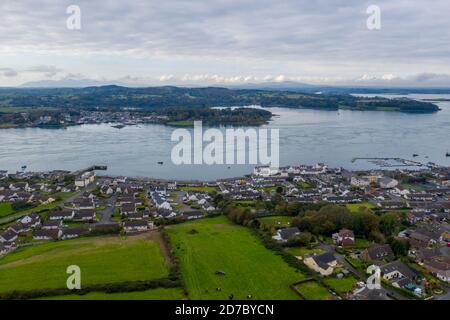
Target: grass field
x,y
209,245
312,290
152,294
102,260
354,207
341,286
276,221
5,209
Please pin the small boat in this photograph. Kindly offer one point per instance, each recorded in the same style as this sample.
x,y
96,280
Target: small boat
x,y
24,167
118,126
415,155
160,162
447,154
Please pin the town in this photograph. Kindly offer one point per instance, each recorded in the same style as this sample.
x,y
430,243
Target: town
x,y
330,224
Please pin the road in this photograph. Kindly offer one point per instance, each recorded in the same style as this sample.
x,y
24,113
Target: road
x,y
107,212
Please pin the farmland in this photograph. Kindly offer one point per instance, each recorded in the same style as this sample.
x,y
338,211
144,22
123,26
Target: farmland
x,y
207,246
101,259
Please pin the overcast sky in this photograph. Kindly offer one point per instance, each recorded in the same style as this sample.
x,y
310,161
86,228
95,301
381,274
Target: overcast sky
x,y
226,41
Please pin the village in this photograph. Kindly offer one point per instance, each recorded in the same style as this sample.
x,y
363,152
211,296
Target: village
x,y
337,223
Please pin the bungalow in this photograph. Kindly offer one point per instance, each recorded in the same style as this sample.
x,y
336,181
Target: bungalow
x,y
85,216
70,233
31,221
127,208
322,263
18,227
190,215
135,226
61,215
398,274
84,204
135,216
52,224
159,201
285,234
45,234
377,252
8,236
344,237
439,266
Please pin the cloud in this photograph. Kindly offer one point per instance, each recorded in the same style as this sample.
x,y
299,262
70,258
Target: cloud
x,y
47,71
216,38
8,73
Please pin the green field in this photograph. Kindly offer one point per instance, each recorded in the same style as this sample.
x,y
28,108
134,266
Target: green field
x,y
312,290
102,260
209,245
354,207
152,294
341,286
5,209
276,221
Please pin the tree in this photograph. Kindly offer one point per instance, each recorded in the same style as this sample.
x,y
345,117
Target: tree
x,y
389,223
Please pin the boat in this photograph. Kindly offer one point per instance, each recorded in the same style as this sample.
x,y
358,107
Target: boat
x,y
24,167
160,162
447,154
118,126
415,155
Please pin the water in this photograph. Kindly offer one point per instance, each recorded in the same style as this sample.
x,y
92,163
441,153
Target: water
x,y
306,137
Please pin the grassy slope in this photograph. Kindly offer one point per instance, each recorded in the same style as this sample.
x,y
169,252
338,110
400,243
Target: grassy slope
x,y
312,290
102,260
219,245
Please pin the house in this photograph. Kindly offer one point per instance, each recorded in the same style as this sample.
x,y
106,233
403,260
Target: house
x,y
127,208
61,215
135,226
85,179
359,181
439,266
377,252
3,249
85,216
189,215
387,183
84,204
70,233
18,227
322,263
135,216
398,274
159,201
285,234
52,224
31,221
344,238
8,236
45,234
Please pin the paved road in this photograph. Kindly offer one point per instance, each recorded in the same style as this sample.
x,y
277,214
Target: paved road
x,y
107,212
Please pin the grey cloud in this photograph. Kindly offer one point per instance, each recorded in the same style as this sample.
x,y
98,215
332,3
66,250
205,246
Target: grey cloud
x,y
8,73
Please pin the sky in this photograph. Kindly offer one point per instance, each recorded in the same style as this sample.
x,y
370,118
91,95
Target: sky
x,y
216,42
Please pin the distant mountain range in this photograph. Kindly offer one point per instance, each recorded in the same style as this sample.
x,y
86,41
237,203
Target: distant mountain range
x,y
276,86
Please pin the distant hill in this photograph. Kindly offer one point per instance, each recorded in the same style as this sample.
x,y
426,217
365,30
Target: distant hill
x,y
114,96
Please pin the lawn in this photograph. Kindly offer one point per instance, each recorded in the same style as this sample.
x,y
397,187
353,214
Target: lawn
x,y
5,209
312,290
102,260
276,221
341,286
152,294
354,207
215,244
